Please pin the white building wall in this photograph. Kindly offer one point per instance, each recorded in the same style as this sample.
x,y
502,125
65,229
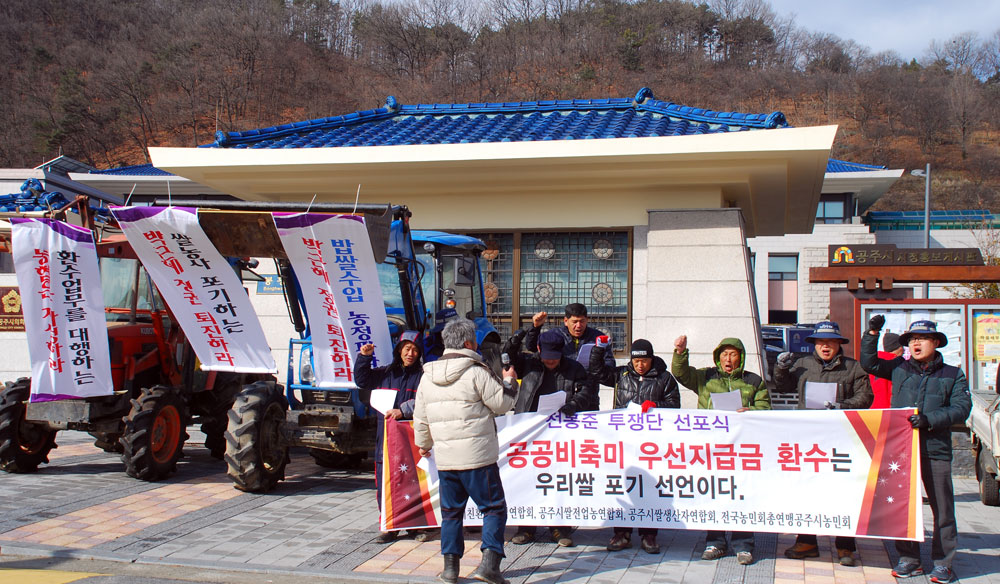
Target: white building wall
x,y
691,276
813,299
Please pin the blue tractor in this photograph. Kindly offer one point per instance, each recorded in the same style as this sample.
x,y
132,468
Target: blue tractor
x,y
425,277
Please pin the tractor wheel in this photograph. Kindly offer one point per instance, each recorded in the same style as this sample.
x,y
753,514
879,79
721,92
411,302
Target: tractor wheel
x,y
23,445
989,487
154,435
256,453
108,441
330,459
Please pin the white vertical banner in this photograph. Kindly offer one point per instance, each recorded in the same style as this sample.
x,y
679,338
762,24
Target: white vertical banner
x,y
57,271
333,261
200,287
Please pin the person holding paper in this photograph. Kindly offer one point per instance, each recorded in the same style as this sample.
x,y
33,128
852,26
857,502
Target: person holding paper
x,y
645,382
824,378
579,338
940,394
402,375
714,386
458,398
550,373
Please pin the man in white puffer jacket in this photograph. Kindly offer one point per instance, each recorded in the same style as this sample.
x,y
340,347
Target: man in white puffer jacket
x,y
457,399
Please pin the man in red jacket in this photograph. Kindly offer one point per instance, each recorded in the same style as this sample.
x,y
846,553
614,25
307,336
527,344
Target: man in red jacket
x,y
882,388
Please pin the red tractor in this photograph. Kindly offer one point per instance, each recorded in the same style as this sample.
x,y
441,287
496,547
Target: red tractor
x,y
159,389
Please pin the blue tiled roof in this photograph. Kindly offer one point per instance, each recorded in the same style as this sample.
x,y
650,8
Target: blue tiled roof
x,y
134,170
526,121
833,165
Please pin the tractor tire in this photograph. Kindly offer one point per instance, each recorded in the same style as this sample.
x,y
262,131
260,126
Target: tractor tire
x,y
108,441
256,453
330,459
155,431
23,446
989,487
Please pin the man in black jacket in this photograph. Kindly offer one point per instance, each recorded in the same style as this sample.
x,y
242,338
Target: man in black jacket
x,y
940,393
545,373
646,382
576,334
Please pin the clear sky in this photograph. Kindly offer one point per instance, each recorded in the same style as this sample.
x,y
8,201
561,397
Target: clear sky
x,y
904,27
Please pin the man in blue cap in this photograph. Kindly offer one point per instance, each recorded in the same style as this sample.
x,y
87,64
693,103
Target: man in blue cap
x,y
940,393
825,365
543,373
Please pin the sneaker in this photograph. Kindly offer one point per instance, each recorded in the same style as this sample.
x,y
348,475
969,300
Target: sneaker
x,y
904,569
387,537
942,574
562,538
649,545
713,553
522,537
801,551
846,557
744,558
619,542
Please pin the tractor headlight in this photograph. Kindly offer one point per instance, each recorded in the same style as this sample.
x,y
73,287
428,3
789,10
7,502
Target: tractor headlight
x,y
307,375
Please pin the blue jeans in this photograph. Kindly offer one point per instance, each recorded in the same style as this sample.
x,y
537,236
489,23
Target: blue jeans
x,y
484,486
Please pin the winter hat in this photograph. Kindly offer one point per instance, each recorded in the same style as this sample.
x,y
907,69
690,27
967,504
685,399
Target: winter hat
x,y
924,327
641,349
890,342
550,345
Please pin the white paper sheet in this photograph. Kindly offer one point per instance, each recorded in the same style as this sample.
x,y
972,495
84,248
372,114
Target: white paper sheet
x,y
383,399
633,407
730,400
551,402
817,394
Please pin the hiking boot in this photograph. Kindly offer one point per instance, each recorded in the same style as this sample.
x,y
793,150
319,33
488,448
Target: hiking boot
x,y
744,558
620,541
522,537
800,551
489,568
561,537
846,557
649,545
713,553
904,569
942,574
387,537
450,573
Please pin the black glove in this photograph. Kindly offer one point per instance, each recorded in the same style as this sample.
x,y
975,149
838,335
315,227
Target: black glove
x,y
785,360
832,405
876,323
568,410
920,421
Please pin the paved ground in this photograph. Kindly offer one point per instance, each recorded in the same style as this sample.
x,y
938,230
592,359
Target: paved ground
x,y
322,523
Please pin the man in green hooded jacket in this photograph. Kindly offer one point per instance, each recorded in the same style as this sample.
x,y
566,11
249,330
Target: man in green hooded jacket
x,y
727,375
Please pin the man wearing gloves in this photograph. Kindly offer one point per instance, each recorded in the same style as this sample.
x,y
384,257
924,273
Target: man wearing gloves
x,y
646,382
940,393
403,375
545,373
577,335
727,376
458,399
827,364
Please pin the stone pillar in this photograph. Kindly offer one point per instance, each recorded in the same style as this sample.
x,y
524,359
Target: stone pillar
x,y
691,275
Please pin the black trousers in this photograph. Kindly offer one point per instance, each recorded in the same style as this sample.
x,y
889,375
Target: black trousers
x,y
936,475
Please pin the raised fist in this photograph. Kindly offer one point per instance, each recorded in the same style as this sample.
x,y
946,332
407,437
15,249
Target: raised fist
x,y
539,318
680,343
876,323
785,360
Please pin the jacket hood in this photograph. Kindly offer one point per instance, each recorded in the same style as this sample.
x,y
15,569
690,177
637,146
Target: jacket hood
x,y
730,342
450,366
